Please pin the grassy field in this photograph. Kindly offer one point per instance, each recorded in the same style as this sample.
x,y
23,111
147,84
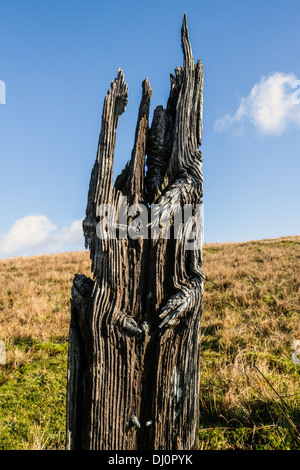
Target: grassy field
x,y
250,387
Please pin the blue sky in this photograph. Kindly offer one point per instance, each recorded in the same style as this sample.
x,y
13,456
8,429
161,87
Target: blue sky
x,y
57,59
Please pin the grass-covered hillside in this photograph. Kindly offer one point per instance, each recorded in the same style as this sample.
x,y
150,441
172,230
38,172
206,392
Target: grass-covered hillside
x,y
250,386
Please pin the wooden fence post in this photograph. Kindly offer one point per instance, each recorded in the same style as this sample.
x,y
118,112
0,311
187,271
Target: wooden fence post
x,y
133,366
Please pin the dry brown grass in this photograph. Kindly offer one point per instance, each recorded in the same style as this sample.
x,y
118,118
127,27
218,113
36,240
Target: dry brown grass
x,y
250,319
252,292
35,293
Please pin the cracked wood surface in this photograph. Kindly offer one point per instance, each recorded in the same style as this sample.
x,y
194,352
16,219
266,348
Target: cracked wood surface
x,y
133,368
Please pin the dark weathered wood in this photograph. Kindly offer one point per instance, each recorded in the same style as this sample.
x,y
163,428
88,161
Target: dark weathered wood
x,y
134,369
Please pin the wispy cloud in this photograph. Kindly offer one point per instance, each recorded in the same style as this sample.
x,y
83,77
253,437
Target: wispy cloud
x,y
36,234
270,106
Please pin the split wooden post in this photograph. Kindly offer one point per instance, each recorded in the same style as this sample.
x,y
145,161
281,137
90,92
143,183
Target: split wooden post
x,y
133,365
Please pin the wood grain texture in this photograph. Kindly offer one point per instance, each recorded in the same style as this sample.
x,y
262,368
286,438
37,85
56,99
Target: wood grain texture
x,y
134,370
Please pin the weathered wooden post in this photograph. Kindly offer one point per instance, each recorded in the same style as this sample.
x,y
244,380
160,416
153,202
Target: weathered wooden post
x,y
134,371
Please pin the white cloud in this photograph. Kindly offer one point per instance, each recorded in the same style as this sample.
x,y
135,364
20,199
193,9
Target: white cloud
x,y
36,234
270,106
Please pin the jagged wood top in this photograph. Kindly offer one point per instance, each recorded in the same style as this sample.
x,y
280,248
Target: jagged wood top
x,y
101,182
171,144
175,134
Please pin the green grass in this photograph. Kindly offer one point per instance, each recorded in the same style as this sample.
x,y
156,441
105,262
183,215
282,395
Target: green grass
x,y
269,437
242,410
32,397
